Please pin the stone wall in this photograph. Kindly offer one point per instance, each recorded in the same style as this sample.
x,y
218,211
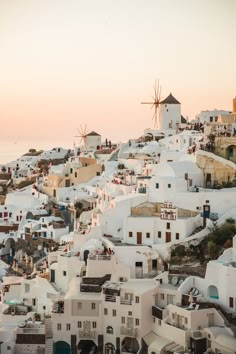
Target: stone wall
x,y
219,169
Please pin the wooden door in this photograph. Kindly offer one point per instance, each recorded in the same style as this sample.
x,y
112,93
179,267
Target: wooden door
x,y
139,238
168,236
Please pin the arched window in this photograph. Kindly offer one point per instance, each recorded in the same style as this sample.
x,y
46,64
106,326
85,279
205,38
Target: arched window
x,y
110,330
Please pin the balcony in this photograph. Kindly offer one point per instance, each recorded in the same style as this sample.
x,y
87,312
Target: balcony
x,y
157,312
110,298
99,257
87,334
129,332
126,301
58,307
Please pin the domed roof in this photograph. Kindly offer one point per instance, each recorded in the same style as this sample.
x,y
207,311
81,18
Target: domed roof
x,y
74,288
170,100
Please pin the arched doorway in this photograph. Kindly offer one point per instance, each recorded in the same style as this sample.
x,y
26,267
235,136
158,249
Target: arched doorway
x,y
87,346
231,153
130,345
109,348
61,347
212,292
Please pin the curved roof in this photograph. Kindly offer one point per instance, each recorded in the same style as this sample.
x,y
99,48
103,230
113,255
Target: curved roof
x,y
170,100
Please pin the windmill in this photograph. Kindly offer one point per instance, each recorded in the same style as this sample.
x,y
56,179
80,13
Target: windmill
x,y
156,103
83,136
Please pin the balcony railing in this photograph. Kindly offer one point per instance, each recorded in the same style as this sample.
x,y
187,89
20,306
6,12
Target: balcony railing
x,y
157,312
87,334
126,301
110,298
99,257
131,332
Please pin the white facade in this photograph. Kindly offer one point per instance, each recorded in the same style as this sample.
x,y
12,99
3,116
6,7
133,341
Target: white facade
x,y
210,116
170,114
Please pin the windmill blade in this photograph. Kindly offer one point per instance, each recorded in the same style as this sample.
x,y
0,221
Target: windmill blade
x,y
146,102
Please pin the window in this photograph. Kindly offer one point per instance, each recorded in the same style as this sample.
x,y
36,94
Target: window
x,y
8,348
129,313
137,321
162,296
157,185
114,313
27,288
68,326
123,320
75,174
137,299
33,302
159,234
169,185
177,236
185,320
105,311
216,119
79,305
153,319
231,302
186,176
64,273
59,326
93,306
147,234
109,330
94,324
130,234
168,225
79,324
211,119
98,173
44,307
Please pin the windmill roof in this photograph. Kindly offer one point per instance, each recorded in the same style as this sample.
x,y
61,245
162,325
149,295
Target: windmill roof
x,y
170,100
93,134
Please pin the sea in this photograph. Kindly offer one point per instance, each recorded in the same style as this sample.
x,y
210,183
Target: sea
x,y
11,150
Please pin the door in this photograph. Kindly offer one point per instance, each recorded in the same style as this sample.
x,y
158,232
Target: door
x,y
52,276
139,238
168,236
154,264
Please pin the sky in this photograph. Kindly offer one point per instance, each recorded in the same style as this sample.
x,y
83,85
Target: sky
x,y
67,63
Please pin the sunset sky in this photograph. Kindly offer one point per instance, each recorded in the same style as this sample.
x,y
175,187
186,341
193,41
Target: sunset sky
x,y
69,62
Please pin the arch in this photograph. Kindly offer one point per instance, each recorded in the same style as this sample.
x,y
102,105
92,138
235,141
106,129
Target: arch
x,y
231,152
61,347
213,292
130,344
109,348
109,330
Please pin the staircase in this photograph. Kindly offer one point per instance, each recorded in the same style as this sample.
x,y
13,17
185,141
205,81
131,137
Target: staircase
x,y
48,333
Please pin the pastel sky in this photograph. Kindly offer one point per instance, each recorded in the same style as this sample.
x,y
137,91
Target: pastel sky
x,y
69,62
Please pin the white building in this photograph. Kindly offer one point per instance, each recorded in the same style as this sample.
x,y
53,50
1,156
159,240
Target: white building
x,y
210,116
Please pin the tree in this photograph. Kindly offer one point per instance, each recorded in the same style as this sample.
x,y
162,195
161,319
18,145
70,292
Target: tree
x,y
212,249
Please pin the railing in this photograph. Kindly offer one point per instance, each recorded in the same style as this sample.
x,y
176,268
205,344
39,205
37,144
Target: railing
x,y
168,216
33,330
87,334
99,257
110,298
131,332
157,312
126,301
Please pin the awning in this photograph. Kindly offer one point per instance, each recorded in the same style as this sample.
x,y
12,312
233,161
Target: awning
x,y
89,200
159,343
150,337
